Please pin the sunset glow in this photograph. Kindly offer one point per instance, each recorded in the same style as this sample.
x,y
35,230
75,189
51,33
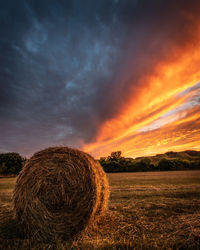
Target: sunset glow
x,y
173,84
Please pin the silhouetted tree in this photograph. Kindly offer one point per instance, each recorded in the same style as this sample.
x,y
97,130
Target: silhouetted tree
x,y
11,163
115,155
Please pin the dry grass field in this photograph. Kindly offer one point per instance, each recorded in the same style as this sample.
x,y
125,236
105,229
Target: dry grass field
x,y
148,210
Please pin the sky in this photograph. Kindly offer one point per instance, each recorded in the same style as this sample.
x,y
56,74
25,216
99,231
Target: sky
x,y
100,76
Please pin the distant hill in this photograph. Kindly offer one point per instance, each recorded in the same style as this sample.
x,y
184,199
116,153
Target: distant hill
x,y
191,155
188,154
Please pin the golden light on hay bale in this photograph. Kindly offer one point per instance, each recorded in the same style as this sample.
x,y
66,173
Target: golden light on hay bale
x,y
58,193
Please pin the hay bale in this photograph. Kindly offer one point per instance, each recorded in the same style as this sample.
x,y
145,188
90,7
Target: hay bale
x,y
58,193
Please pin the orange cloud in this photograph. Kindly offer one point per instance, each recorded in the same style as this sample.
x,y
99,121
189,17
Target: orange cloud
x,y
158,93
181,135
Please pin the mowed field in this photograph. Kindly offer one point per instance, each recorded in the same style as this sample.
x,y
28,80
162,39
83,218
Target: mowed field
x,y
148,210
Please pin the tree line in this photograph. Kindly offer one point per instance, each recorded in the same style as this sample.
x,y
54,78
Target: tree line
x,y
12,163
116,163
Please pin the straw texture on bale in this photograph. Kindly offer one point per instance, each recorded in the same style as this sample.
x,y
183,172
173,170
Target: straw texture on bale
x,y
58,193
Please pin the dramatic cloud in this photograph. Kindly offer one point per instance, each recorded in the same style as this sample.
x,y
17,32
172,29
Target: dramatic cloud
x,y
172,127
92,73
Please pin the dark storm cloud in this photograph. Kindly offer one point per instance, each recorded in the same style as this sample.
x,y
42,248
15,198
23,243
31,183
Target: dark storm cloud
x,y
67,66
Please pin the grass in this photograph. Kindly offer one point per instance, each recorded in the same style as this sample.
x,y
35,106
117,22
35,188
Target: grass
x,y
7,183
151,210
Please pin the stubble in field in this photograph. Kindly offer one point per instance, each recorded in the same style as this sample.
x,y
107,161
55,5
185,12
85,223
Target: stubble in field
x,y
155,210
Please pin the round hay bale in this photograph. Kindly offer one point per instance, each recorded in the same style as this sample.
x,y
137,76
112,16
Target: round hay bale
x,y
58,193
